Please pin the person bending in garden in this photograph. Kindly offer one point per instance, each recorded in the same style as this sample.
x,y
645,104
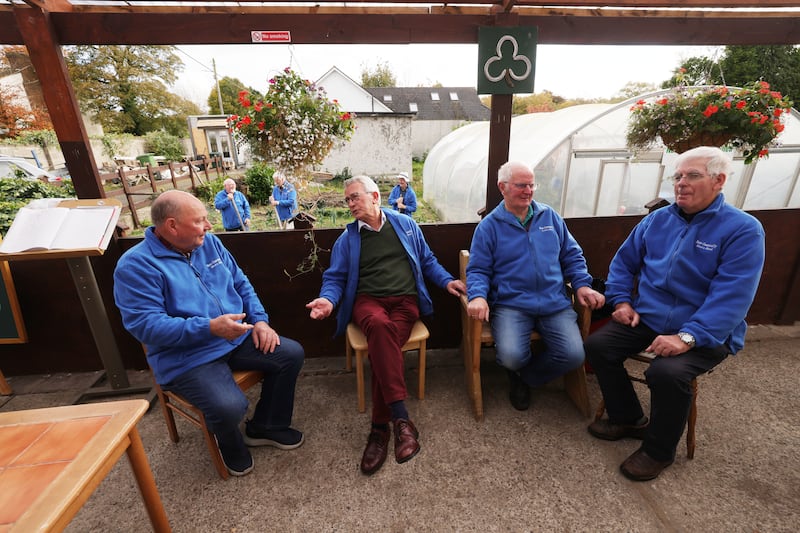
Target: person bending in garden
x,y
182,295
284,199
233,206
680,285
376,280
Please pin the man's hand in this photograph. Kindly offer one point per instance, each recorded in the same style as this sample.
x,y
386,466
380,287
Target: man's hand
x,y
320,308
478,308
230,196
247,222
667,345
400,204
590,298
265,338
626,315
456,287
229,326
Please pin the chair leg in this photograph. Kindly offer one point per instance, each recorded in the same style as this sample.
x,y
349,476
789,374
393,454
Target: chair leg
x,y
690,436
601,408
575,384
213,449
422,369
360,354
166,410
348,351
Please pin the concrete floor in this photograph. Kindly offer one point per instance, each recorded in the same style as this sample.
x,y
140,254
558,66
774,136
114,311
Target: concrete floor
x,y
533,471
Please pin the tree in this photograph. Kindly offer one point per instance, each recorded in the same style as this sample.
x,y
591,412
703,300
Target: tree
x,y
778,65
20,111
633,89
698,70
380,76
126,88
230,89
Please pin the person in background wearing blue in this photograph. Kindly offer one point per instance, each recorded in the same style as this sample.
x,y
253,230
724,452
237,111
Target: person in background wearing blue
x,y
520,257
182,295
284,199
680,285
376,280
402,198
233,206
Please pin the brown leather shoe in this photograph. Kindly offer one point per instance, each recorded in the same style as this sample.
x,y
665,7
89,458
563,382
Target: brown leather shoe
x,y
375,452
608,430
641,467
406,445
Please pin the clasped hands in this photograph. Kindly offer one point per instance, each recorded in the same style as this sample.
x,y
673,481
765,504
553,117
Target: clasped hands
x,y
232,326
663,345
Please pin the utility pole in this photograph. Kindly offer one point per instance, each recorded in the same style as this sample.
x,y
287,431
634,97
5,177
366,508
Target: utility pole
x,y
216,80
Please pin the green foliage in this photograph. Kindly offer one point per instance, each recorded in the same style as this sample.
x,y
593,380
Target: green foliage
x,y
230,89
164,144
16,193
748,118
41,138
343,174
126,88
258,179
380,76
293,125
115,143
695,71
208,190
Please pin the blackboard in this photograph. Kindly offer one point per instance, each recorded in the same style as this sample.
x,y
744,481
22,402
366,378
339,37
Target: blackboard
x,y
12,328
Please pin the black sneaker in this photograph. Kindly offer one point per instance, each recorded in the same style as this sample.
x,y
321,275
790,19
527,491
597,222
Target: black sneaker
x,y
237,459
519,393
283,439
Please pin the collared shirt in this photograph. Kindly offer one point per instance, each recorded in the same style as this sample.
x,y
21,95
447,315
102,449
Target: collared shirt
x,y
362,224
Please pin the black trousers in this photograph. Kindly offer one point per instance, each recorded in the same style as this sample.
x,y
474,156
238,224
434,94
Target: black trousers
x,y
669,380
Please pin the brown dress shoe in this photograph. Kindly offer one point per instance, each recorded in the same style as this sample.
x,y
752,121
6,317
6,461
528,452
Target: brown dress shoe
x,y
406,445
375,452
607,430
641,467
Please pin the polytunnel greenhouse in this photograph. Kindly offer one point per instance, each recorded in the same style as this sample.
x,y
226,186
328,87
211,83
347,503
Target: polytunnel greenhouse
x,y
584,168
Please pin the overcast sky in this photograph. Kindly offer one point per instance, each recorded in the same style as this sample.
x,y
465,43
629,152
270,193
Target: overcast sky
x,y
570,71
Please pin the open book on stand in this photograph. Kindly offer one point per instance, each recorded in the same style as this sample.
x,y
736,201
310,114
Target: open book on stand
x,y
54,224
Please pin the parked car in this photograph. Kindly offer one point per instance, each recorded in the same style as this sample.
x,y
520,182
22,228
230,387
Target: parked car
x,y
15,167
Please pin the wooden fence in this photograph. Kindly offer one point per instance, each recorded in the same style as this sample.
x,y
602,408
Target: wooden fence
x,y
140,185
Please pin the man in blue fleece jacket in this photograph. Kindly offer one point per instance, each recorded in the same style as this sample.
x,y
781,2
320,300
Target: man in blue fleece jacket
x,y
680,285
520,257
182,295
376,280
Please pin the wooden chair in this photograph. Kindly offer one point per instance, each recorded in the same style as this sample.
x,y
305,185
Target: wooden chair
x,y
647,358
172,402
356,341
477,333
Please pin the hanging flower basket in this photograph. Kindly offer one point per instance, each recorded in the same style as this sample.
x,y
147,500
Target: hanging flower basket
x,y
698,138
747,119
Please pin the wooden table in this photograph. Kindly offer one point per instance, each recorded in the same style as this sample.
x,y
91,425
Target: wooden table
x,y
51,460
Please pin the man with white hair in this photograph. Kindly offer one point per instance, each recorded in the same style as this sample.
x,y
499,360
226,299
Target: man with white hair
x,y
284,200
233,206
402,198
680,285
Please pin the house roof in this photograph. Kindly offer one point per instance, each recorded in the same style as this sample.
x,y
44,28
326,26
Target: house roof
x,y
434,103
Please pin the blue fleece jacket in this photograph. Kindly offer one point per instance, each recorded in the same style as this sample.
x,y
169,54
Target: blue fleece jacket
x,y
230,220
699,277
167,302
409,199
286,197
340,280
525,269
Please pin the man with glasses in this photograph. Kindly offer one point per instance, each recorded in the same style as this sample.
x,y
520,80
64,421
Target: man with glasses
x,y
520,257
376,281
680,285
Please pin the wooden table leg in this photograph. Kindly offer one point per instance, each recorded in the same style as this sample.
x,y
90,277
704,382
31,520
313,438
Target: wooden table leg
x,y
147,484
5,388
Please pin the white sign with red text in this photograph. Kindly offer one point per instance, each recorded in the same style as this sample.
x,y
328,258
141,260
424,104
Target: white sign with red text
x,y
271,36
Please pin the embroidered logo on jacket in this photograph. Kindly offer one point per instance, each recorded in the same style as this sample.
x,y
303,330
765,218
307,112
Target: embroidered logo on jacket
x,y
708,247
546,228
214,264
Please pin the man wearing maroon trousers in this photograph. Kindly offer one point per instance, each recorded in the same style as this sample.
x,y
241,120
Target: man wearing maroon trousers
x,y
376,281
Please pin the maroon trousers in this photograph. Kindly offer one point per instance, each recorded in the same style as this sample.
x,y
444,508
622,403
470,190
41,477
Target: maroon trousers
x,y
387,323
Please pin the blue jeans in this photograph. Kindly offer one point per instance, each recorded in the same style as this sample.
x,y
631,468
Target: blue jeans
x,y
511,329
212,389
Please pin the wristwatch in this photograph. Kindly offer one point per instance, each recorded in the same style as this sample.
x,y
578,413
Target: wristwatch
x,y
687,338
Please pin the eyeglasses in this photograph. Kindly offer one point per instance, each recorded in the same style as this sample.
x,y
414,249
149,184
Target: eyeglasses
x,y
690,177
523,186
353,197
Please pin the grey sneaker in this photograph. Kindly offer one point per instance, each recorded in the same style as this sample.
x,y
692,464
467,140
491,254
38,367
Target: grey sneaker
x,y
283,439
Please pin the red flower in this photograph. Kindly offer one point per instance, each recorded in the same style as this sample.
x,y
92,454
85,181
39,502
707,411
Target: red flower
x,y
740,104
261,126
259,105
345,116
663,101
764,85
778,126
710,110
763,152
777,112
727,104
247,120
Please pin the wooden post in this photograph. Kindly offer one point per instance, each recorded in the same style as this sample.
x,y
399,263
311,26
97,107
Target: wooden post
x,y
499,137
